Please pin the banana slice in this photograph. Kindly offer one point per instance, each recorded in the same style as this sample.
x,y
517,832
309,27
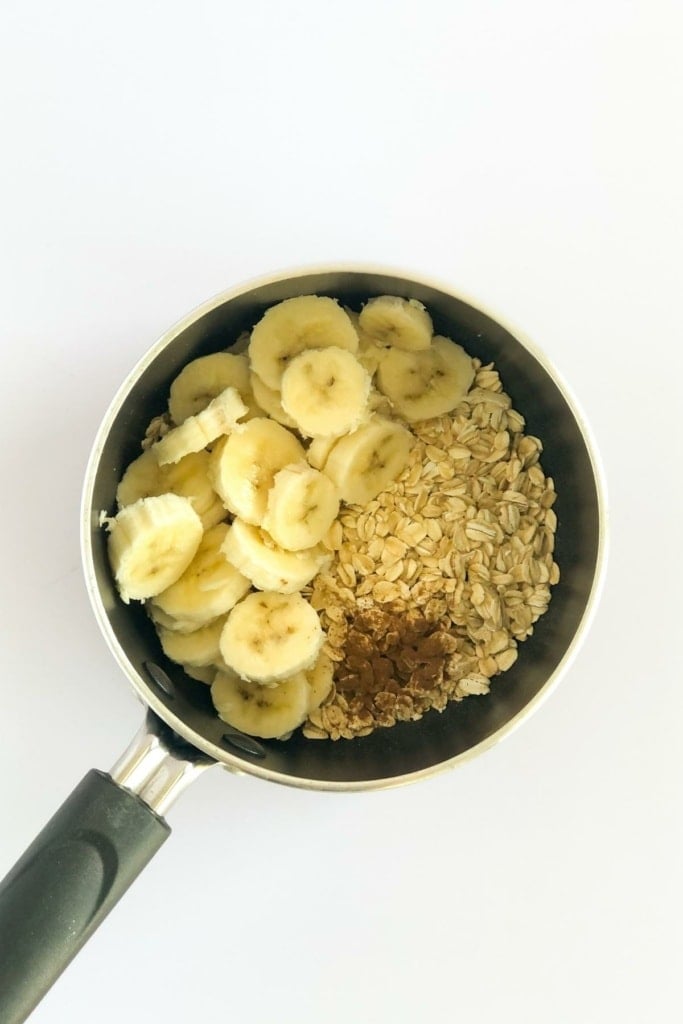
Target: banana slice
x,y
269,400
353,317
269,637
403,323
143,478
219,417
325,391
210,585
202,380
188,478
320,680
319,449
163,621
285,330
268,566
242,467
364,463
370,355
302,505
201,675
197,649
268,712
370,352
380,404
151,543
426,384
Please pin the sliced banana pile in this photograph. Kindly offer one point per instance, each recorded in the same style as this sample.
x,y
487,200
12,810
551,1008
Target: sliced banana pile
x,y
221,523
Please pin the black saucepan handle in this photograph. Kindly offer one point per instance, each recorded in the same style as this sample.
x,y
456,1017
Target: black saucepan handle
x,y
66,883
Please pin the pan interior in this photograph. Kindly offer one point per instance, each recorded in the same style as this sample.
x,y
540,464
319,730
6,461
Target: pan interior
x,y
407,748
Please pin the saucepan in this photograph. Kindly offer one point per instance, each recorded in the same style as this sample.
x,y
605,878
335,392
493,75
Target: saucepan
x,y
113,823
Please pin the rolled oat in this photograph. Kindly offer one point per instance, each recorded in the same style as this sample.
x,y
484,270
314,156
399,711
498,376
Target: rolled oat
x,y
434,584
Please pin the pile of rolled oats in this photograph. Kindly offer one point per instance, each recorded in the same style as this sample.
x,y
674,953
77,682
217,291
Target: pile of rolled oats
x,y
434,584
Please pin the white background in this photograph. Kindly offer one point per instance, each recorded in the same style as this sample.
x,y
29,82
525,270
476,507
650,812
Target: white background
x,y
527,154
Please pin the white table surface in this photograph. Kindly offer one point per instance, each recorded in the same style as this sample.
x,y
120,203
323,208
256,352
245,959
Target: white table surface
x,y
527,154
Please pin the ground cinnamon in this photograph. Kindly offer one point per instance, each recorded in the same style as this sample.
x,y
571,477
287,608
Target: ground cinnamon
x,y
394,669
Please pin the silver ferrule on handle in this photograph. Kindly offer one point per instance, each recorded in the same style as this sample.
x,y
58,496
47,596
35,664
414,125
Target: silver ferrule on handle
x,y
157,765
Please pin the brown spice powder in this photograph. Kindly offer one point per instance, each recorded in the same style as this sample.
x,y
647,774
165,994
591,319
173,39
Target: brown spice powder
x,y
394,669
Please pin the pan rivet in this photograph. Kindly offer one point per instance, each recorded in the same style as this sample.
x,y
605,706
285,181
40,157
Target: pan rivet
x,y
159,678
245,744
